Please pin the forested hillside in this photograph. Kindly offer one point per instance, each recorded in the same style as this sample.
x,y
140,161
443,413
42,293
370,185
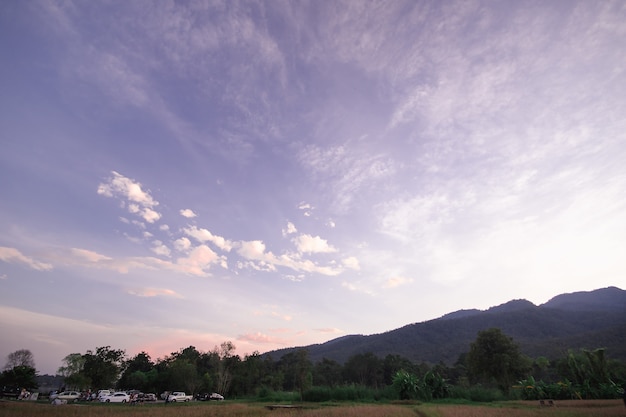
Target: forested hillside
x,y
568,321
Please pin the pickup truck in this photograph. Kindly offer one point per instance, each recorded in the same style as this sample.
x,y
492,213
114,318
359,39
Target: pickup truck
x,y
178,396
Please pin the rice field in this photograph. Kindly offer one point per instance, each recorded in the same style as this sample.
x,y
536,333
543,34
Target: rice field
x,y
600,408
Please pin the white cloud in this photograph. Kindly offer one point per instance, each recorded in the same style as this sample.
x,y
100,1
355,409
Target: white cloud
x,y
352,263
313,244
139,202
182,244
154,292
160,249
291,228
255,251
394,282
120,186
199,260
203,235
188,213
13,255
150,215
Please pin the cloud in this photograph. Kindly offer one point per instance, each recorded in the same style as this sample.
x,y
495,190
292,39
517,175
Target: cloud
x,y
140,202
255,251
352,263
203,235
347,170
356,287
306,208
290,229
397,281
183,244
261,338
160,249
199,260
187,213
154,292
12,255
329,330
313,244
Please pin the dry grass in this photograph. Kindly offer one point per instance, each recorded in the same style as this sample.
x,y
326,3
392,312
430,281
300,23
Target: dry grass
x,y
592,408
612,408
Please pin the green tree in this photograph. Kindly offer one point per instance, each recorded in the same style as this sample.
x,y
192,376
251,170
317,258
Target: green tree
x,y
135,375
103,367
19,376
327,373
394,363
591,373
364,369
493,356
184,376
405,384
72,371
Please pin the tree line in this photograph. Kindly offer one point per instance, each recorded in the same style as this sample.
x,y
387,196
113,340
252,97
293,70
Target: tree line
x,y
492,368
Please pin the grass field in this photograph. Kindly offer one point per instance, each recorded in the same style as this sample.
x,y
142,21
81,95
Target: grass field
x,y
604,408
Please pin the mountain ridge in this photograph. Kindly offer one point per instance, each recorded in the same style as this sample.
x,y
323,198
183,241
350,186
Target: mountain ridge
x,y
585,319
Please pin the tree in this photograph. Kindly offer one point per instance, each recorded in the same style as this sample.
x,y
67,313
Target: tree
x,y
405,384
365,369
184,375
139,373
495,357
19,377
22,357
103,366
327,372
225,366
72,371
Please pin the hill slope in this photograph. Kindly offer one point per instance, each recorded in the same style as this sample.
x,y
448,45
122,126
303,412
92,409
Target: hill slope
x,y
568,321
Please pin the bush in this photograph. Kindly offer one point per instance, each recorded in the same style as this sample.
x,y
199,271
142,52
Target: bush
x,y
354,393
476,393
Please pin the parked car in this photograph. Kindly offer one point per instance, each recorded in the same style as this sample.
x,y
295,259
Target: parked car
x,y
216,397
116,397
150,397
179,396
202,397
67,396
103,393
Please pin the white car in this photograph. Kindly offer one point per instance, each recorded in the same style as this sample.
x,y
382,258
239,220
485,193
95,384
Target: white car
x,y
103,393
67,396
116,397
216,397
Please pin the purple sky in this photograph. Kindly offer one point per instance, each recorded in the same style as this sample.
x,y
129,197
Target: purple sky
x,y
283,173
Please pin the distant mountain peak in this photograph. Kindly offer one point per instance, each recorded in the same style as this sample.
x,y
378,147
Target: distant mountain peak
x,y
610,298
513,305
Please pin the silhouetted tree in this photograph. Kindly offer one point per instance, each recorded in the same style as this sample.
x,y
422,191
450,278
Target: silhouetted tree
x,y
22,357
103,366
494,356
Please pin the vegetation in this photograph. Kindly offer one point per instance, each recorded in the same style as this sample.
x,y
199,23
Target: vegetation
x,y
494,356
492,370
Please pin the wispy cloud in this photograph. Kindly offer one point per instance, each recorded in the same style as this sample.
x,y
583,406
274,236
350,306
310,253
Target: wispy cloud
x,y
154,292
13,255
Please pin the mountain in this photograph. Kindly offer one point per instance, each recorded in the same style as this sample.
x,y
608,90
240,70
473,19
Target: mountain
x,y
569,321
605,299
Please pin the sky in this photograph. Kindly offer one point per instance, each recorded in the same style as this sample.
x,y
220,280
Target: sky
x,y
283,173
